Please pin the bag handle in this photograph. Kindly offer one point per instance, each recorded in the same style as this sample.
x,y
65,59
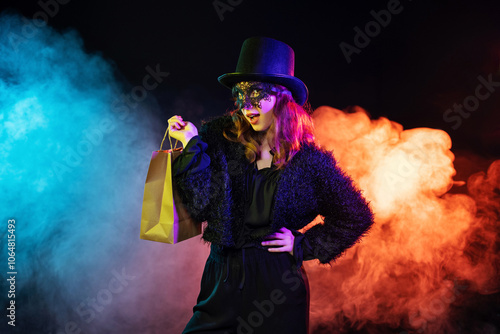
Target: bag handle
x,y
170,140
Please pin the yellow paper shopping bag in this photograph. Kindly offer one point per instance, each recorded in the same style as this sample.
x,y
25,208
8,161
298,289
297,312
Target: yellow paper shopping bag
x,y
164,217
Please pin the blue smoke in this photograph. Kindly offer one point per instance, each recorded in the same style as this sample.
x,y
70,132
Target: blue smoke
x,y
75,146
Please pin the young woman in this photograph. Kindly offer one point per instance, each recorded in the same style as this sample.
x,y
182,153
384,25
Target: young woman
x,y
257,177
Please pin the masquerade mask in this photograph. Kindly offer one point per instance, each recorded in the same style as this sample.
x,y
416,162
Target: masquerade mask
x,y
250,93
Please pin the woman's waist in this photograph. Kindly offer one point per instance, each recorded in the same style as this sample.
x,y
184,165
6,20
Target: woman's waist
x,y
252,249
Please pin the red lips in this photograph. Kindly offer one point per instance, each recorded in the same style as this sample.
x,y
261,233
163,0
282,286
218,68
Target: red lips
x,y
253,118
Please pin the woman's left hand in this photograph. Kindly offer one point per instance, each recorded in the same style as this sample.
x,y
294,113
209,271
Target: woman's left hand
x,y
283,238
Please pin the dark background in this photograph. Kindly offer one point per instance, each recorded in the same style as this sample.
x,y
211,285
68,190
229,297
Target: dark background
x,y
426,59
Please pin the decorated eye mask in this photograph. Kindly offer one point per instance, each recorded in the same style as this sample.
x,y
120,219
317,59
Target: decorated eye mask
x,y
250,93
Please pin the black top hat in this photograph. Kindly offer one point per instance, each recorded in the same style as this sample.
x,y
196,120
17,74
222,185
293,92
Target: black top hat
x,y
267,60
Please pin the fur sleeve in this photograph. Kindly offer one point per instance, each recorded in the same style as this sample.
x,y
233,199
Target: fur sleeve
x,y
193,189
196,189
347,215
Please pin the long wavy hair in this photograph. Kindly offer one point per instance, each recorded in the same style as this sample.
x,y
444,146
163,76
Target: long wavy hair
x,y
291,127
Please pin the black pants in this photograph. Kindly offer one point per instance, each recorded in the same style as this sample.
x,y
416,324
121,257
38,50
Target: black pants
x,y
251,291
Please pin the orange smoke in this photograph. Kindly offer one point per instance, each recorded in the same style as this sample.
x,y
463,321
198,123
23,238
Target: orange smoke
x,y
427,247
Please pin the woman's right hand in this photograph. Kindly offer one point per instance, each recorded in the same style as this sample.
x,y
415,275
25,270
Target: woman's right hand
x,y
181,130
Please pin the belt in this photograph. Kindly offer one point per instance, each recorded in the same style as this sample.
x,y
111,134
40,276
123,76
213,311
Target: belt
x,y
225,254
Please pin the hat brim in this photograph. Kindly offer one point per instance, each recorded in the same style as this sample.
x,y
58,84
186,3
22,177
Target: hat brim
x,y
295,85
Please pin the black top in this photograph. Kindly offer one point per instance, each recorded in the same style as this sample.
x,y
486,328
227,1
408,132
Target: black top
x,y
259,202
260,192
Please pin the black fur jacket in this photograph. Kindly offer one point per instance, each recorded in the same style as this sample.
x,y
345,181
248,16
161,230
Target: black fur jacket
x,y
311,184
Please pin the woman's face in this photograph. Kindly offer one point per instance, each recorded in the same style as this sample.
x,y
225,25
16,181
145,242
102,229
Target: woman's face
x,y
256,101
